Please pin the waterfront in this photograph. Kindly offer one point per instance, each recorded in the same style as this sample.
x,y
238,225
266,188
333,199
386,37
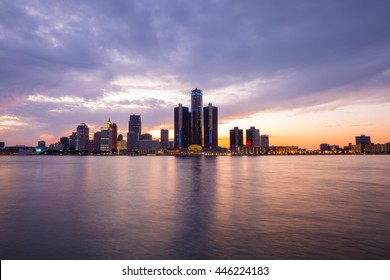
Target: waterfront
x,y
288,207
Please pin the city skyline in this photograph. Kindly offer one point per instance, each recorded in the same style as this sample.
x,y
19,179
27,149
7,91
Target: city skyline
x,y
304,73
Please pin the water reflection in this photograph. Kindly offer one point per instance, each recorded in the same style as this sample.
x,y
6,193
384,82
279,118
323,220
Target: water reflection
x,y
195,207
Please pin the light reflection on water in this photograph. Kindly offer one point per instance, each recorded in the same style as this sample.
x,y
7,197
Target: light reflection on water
x,y
298,207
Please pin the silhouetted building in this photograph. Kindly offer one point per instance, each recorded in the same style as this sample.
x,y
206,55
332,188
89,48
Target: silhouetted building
x,y
210,117
264,141
146,136
106,137
324,147
41,145
196,117
120,137
72,141
114,136
2,145
363,139
135,124
253,137
134,133
96,141
82,137
236,138
164,138
65,144
182,127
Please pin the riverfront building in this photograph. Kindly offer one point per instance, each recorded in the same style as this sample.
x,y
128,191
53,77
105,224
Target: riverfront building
x,y
181,127
210,114
196,117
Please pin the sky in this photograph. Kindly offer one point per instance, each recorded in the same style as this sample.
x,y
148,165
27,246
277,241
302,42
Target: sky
x,y
303,72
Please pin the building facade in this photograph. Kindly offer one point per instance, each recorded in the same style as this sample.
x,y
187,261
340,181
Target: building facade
x,y
210,117
106,136
181,127
134,132
82,137
253,137
236,138
196,117
164,139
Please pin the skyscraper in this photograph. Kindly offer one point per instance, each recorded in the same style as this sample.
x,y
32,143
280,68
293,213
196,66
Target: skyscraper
x,y
135,124
96,141
164,138
114,136
134,132
106,137
82,137
236,138
253,137
363,139
65,144
210,117
196,116
264,141
182,127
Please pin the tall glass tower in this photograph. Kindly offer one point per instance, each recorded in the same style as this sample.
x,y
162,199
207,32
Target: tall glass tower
x,y
210,116
182,127
196,116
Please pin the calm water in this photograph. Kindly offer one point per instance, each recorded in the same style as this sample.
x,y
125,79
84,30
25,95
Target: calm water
x,y
291,207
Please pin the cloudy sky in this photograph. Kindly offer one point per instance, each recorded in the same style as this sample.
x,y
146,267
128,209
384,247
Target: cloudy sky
x,y
304,72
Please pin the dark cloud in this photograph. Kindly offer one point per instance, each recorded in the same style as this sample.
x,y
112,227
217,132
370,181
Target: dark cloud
x,y
303,50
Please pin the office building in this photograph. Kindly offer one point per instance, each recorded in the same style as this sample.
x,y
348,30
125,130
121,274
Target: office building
x,y
363,139
135,124
96,141
134,132
236,138
253,137
181,127
65,144
210,117
264,141
114,136
196,116
164,139
72,141
82,137
106,136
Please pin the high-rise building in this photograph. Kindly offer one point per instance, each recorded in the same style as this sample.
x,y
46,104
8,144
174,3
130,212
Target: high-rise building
x,y
236,138
96,141
210,117
253,137
182,127
196,116
65,144
120,137
164,138
114,136
363,139
264,141
41,144
135,124
134,132
72,141
106,137
82,137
